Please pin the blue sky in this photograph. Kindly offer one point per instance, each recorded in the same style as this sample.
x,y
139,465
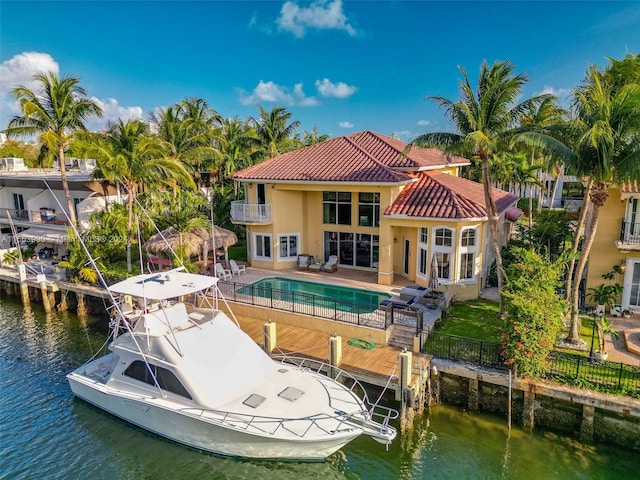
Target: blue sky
x,y
344,66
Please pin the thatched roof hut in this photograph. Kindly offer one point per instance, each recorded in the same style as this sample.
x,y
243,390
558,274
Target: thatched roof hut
x,y
195,241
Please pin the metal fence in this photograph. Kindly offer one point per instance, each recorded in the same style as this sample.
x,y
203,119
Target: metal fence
x,y
562,367
306,304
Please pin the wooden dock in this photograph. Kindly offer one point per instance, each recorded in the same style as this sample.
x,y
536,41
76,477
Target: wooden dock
x,y
370,366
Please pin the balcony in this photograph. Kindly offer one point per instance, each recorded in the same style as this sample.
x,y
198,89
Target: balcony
x,y
250,213
44,216
629,237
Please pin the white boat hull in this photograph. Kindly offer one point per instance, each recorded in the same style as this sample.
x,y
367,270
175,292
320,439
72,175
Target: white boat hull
x,y
198,432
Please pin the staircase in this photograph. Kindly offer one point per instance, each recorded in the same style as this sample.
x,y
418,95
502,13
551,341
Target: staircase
x,y
402,337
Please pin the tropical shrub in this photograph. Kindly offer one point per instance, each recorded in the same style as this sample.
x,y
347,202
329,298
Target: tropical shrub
x,y
533,311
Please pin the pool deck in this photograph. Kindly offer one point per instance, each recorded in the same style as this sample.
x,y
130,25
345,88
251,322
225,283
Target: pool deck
x,y
345,277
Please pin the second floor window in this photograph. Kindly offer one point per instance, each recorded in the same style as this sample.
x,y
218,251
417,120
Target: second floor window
x,y
369,209
336,208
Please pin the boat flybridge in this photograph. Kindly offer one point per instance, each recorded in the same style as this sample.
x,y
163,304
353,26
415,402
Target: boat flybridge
x,y
180,367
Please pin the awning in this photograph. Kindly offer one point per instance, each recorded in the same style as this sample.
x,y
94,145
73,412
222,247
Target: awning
x,y
513,214
40,235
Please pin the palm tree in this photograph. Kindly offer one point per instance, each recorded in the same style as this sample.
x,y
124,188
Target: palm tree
x,y
608,149
274,133
129,155
238,145
484,120
601,144
190,130
57,110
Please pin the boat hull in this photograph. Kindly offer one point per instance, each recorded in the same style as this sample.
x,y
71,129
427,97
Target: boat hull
x,y
199,432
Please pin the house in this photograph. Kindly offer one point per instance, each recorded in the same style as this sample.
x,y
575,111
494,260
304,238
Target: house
x,y
378,208
38,214
617,243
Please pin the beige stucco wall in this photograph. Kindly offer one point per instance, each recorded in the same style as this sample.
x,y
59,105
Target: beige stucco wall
x,y
604,254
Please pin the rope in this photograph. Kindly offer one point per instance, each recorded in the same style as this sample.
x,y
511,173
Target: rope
x,y
362,343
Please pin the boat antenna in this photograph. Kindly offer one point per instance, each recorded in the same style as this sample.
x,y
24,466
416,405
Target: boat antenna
x,y
104,284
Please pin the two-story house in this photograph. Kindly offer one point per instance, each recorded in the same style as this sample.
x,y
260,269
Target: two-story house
x,y
39,213
377,207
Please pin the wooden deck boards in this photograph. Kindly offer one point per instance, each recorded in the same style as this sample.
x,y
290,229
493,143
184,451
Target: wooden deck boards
x,y
381,361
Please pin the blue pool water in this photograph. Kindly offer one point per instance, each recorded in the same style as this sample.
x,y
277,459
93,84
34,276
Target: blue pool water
x,y
343,298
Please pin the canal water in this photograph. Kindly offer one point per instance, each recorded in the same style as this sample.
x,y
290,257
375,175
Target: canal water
x,y
46,434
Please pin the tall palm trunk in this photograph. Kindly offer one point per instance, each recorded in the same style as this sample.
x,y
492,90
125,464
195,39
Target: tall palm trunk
x,y
599,194
492,216
65,185
576,242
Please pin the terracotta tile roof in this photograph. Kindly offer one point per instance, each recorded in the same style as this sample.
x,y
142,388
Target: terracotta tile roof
x,y
438,195
364,157
630,187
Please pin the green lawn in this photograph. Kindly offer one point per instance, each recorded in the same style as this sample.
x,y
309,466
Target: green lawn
x,y
473,319
479,319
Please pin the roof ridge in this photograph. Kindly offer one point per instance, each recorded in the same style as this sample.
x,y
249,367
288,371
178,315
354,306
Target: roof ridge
x,y
370,155
454,196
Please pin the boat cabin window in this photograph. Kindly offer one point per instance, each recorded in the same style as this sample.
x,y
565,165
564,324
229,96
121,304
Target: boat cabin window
x,y
166,379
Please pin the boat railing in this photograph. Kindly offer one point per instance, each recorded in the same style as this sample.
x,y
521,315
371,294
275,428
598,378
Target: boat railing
x,y
376,411
257,422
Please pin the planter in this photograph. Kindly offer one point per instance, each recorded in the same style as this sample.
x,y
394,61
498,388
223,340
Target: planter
x,y
597,355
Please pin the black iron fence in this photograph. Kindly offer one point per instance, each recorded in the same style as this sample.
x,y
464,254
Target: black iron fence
x,y
373,316
562,367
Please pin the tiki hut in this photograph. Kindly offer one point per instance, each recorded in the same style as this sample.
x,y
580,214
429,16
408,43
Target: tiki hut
x,y
196,241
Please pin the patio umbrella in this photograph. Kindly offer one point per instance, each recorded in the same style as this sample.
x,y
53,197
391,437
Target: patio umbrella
x,y
434,281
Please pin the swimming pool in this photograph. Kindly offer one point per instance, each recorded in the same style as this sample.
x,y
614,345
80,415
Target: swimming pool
x,y
329,296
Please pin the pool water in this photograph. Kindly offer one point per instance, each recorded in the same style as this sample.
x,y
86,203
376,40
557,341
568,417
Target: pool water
x,y
342,298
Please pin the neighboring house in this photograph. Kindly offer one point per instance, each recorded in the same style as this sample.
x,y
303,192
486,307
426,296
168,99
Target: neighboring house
x,y
39,214
617,242
361,198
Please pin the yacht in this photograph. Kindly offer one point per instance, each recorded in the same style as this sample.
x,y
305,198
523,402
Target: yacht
x,y
180,367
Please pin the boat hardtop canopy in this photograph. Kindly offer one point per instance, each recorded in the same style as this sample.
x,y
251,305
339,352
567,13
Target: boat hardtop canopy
x,y
163,285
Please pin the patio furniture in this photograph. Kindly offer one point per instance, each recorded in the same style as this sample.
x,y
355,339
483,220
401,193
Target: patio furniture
x,y
237,269
331,265
303,262
316,267
222,273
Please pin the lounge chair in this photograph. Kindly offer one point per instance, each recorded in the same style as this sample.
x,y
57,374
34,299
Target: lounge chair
x,y
223,273
331,265
303,262
237,269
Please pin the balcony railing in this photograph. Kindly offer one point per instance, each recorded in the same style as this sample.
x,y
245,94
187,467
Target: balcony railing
x,y
630,234
43,216
250,212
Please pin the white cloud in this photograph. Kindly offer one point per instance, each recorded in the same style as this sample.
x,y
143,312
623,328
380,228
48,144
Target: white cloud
x,y
560,93
19,71
345,124
404,135
327,88
320,15
424,123
274,93
112,111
